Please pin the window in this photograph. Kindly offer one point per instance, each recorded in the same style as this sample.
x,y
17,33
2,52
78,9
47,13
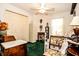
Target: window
x,y
57,26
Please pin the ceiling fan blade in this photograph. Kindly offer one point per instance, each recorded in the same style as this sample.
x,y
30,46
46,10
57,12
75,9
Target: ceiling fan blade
x,y
37,13
35,8
51,9
44,8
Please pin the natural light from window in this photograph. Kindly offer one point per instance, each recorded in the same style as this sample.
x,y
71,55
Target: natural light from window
x,y
57,26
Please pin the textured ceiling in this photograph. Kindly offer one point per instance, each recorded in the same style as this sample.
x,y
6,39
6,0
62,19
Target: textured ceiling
x,y
53,7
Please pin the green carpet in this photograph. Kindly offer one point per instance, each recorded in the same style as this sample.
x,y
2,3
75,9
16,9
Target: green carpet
x,y
35,49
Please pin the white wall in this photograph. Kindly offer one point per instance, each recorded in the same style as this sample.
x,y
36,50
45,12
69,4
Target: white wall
x,y
77,9
67,19
4,7
36,22
18,25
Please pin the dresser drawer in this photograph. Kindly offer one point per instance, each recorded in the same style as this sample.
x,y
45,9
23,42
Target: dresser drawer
x,y
15,51
6,52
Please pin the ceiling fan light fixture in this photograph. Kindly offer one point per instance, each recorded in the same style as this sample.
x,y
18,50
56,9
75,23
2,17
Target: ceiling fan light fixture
x,y
42,11
42,8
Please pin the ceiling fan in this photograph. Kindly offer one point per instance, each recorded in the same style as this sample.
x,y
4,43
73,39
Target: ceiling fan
x,y
42,9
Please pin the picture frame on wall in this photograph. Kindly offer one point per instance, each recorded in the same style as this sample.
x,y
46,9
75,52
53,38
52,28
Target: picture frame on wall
x,y
56,42
47,30
40,20
41,35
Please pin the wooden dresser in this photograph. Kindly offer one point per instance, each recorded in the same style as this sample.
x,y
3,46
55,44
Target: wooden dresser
x,y
15,51
12,47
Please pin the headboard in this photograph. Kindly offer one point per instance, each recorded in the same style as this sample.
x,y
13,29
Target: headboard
x,y
56,42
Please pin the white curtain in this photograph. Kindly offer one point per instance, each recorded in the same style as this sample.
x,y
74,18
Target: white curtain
x,y
57,26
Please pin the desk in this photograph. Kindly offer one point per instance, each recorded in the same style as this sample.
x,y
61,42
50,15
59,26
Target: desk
x,y
14,48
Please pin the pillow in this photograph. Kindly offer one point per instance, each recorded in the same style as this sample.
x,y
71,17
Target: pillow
x,y
51,52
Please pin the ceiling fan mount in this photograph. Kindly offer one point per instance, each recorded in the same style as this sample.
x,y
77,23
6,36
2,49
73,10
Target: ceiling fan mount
x,y
43,9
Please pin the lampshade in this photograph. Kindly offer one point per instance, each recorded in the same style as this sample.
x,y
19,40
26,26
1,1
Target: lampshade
x,y
75,21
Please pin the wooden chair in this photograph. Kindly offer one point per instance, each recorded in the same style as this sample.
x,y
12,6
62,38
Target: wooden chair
x,y
73,51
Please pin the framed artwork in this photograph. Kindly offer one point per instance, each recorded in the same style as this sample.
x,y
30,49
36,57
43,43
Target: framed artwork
x,y
41,27
40,20
47,31
41,36
56,42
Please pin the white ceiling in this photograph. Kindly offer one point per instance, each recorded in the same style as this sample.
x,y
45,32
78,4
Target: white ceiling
x,y
58,7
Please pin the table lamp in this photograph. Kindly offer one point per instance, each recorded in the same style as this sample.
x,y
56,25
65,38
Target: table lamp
x,y
75,24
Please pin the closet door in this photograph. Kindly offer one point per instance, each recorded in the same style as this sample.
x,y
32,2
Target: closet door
x,y
18,25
